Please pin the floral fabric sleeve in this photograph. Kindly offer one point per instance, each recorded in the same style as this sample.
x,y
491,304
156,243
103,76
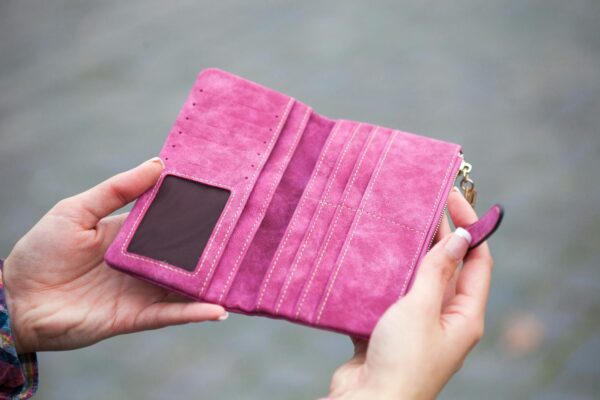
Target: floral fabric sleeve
x,y
18,372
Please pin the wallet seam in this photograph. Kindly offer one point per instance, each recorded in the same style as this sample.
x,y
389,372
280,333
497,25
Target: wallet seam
x,y
378,216
268,197
294,219
245,195
321,252
314,218
411,268
142,213
344,250
408,276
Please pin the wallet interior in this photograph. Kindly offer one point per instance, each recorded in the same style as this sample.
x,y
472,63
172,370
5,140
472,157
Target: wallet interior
x,y
269,208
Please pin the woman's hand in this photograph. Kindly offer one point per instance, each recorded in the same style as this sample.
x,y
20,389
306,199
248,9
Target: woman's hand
x,y
60,293
423,339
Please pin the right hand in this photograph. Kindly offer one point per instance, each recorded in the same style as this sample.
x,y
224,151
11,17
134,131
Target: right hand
x,y
423,339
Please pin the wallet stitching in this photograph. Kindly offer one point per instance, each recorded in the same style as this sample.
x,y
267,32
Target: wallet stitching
x,y
314,219
246,192
324,304
347,244
297,212
168,266
335,222
435,204
268,197
378,216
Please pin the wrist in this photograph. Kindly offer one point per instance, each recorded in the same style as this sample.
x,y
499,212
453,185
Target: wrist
x,y
20,341
385,388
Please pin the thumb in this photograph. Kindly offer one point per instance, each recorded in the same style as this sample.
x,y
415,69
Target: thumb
x,y
115,192
438,267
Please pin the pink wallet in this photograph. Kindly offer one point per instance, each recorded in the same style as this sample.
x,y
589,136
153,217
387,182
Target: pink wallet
x,y
271,209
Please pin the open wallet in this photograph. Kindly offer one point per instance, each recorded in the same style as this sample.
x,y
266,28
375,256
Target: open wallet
x,y
268,208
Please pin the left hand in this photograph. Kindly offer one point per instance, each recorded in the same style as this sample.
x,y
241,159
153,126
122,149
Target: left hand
x,y
60,293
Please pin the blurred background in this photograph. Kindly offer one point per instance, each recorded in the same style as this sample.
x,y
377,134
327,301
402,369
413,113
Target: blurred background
x,y
89,88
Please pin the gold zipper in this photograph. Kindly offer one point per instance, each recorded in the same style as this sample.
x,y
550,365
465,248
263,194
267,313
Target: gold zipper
x,y
468,187
466,183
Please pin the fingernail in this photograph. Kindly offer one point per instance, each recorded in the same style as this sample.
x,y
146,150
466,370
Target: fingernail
x,y
458,244
157,160
457,190
223,317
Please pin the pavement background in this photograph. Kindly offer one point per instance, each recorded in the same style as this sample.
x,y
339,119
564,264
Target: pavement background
x,y
88,89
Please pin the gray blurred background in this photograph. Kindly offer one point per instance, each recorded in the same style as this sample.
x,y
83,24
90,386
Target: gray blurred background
x,y
90,88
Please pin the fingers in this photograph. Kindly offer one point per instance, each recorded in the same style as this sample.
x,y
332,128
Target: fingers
x,y
437,269
103,199
164,314
475,277
108,228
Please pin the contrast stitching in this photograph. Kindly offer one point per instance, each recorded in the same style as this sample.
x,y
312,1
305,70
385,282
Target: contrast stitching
x,y
416,251
305,240
378,216
297,213
147,204
268,197
347,244
335,222
245,196
430,220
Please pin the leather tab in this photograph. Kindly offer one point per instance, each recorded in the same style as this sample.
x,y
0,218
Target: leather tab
x,y
486,225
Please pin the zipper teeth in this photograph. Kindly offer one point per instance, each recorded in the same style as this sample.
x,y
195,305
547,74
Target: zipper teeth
x,y
437,227
439,223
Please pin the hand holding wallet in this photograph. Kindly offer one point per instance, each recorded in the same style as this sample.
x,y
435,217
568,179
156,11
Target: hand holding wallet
x,y
268,208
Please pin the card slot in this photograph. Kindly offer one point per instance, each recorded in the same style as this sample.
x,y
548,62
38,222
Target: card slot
x,y
217,286
377,259
344,212
348,239
321,218
420,163
137,257
296,228
246,284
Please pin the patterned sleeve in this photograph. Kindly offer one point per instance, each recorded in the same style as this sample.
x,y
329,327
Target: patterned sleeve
x,y
18,372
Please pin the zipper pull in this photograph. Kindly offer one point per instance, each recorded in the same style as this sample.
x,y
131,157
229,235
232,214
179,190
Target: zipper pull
x,y
466,183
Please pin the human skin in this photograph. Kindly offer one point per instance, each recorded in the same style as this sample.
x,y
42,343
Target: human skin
x,y
423,339
61,295
59,292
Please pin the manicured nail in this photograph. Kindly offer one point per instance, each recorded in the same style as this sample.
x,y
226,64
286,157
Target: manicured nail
x,y
458,244
223,317
157,160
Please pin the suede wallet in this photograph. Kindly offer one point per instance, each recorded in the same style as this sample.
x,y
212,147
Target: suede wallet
x,y
268,208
